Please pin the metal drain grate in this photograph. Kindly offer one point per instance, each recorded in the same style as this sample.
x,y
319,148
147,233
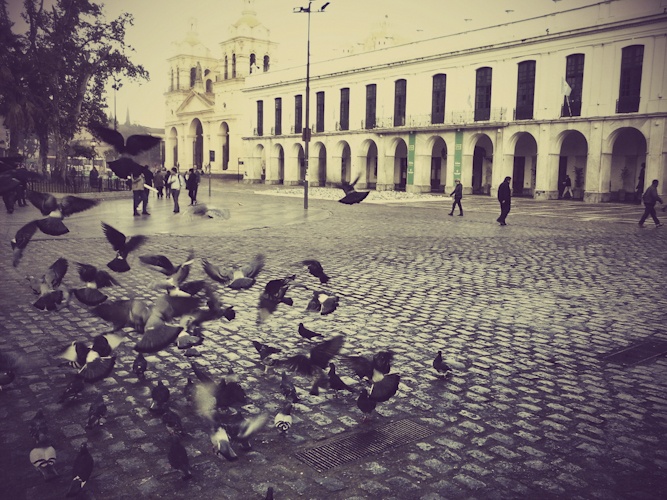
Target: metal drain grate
x,y
340,450
637,353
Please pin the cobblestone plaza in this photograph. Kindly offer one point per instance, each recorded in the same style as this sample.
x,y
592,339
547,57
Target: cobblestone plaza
x,y
523,314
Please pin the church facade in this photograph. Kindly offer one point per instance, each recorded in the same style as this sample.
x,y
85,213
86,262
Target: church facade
x,y
580,93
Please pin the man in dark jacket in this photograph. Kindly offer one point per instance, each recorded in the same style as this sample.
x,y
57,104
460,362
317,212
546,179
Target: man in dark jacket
x,y
505,199
650,198
457,194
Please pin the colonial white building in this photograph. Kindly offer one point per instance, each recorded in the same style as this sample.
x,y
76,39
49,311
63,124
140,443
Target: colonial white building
x,y
581,92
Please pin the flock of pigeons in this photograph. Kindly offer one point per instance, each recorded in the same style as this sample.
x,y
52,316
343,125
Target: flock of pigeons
x,y
177,320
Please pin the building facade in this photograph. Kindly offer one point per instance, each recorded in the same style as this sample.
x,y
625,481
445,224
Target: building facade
x,y
578,93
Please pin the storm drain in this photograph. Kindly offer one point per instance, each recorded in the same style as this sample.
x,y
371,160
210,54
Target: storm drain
x,y
340,450
637,353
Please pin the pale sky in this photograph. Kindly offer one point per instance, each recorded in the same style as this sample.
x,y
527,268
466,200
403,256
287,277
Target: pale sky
x,y
158,23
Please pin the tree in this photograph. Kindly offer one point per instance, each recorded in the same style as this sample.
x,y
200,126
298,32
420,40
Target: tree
x,y
67,55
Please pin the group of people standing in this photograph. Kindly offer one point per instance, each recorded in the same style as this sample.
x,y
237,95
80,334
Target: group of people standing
x,y
164,182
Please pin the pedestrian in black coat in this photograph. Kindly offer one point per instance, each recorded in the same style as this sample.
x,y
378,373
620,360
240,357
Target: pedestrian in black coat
x,y
457,194
505,199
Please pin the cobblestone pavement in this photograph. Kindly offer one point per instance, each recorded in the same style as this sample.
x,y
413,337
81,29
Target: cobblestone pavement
x,y
522,313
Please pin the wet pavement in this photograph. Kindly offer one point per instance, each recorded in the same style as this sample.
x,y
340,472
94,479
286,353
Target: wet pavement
x,y
522,313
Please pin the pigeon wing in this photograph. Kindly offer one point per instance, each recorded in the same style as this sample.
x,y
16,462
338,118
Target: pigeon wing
x,y
157,338
73,204
159,262
322,353
214,272
97,369
384,389
114,236
112,137
45,203
125,167
56,272
136,144
135,242
252,269
117,312
89,296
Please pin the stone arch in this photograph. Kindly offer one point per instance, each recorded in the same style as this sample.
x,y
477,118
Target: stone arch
x,y
438,148
524,168
224,152
196,134
400,171
256,163
274,173
628,148
299,154
172,146
482,163
572,159
368,164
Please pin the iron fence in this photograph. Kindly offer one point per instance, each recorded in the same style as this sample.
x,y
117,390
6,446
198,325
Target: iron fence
x,y
78,184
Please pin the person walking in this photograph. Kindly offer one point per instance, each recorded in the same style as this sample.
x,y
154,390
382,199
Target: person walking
x,y
191,184
457,194
158,182
167,188
567,189
650,198
505,199
175,183
148,181
137,191
94,178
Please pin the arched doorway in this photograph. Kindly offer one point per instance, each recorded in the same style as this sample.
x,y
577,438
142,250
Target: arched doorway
x,y
301,164
524,170
372,166
482,165
321,164
224,145
281,165
346,164
197,134
438,165
627,156
572,162
400,165
173,145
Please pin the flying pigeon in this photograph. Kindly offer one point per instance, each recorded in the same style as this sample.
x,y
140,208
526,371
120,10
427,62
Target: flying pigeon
x,y
122,245
222,445
351,195
81,471
132,146
51,296
21,240
274,294
94,279
121,313
43,458
56,210
318,357
236,278
373,369
205,211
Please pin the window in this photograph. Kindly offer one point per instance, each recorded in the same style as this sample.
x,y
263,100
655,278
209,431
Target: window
x,y
371,96
631,79
438,99
260,117
279,116
193,76
233,65
525,91
574,76
319,123
226,68
253,63
344,109
178,78
209,86
171,84
400,90
266,64
298,114
483,94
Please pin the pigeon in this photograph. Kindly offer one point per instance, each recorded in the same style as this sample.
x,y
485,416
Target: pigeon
x,y
207,211
241,429
162,264
269,493
38,427
94,279
178,458
43,458
315,268
73,390
173,422
81,471
213,310
51,296
317,359
385,389
160,398
133,145
222,445
122,313
122,245
21,240
56,210
306,333
139,367
185,341
323,303
10,364
264,350
351,195
273,295
97,413
240,278
283,419
372,369
335,382
440,366
288,389
96,362
365,404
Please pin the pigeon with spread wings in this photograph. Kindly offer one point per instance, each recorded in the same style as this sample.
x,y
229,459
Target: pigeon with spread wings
x,y
351,195
56,210
21,240
236,278
123,245
132,146
51,294
94,279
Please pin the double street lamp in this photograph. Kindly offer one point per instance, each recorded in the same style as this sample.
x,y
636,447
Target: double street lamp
x,y
306,130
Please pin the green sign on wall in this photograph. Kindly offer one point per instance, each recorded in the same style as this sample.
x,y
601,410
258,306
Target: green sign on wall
x,y
458,154
411,158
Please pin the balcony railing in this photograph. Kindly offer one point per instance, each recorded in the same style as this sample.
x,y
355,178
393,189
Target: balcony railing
x,y
523,113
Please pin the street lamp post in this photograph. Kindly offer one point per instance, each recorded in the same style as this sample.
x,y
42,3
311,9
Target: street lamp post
x,y
116,86
306,130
